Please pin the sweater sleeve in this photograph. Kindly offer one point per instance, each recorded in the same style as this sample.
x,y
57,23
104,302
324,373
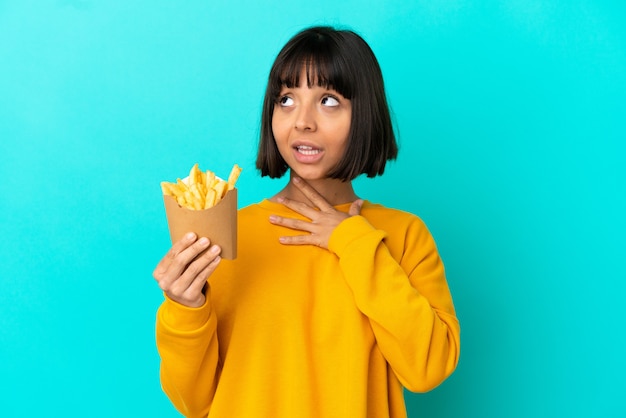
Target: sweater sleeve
x,y
187,343
406,299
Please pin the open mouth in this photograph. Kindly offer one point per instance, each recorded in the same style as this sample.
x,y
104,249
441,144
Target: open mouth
x,y
306,150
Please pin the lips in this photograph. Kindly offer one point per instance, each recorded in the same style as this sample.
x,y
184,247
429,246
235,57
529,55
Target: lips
x,y
307,150
307,153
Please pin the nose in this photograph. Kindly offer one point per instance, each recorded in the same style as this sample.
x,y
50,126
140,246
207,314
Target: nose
x,y
305,118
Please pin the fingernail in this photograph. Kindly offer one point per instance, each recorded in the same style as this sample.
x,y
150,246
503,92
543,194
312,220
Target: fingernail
x,y
273,218
280,199
296,179
190,236
203,241
215,249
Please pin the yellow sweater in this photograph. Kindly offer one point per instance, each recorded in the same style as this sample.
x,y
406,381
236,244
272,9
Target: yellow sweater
x,y
300,331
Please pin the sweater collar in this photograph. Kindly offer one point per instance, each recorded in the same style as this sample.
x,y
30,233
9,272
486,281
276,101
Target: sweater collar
x,y
279,208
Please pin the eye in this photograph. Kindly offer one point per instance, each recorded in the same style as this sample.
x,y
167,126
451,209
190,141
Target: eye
x,y
330,101
285,101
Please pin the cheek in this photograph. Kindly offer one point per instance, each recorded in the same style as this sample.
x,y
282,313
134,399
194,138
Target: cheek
x,y
345,131
277,128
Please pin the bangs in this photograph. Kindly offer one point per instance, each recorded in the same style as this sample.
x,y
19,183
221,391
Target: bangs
x,y
322,63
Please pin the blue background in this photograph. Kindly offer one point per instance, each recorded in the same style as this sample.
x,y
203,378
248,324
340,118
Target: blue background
x,y
511,122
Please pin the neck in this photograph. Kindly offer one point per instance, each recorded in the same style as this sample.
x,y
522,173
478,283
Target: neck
x,y
334,191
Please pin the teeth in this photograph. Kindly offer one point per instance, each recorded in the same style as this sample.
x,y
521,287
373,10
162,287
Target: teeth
x,y
306,150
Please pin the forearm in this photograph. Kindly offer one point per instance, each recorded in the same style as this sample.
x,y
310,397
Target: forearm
x,y
407,301
187,343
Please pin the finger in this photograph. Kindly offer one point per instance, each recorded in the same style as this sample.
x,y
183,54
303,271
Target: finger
x,y
178,247
194,295
179,264
312,194
299,240
198,284
191,282
291,223
299,207
355,207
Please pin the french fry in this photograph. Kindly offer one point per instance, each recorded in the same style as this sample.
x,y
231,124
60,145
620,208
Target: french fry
x,y
210,179
195,175
201,189
234,176
210,197
180,198
197,197
182,186
168,188
220,190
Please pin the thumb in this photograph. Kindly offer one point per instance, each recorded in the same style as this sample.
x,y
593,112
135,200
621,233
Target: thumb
x,y
355,208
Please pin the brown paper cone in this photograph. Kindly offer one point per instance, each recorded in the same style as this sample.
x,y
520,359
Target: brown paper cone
x,y
219,223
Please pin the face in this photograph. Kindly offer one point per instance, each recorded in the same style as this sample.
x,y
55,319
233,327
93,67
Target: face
x,y
311,127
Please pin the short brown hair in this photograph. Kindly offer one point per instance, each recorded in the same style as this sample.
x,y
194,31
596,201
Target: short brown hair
x,y
343,61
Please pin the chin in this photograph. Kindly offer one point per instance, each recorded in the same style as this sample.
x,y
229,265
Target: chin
x,y
310,176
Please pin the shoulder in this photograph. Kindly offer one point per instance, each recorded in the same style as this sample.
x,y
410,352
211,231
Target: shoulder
x,y
381,216
401,227
406,234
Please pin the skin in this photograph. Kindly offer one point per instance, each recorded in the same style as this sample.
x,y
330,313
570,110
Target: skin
x,y
317,118
323,217
181,275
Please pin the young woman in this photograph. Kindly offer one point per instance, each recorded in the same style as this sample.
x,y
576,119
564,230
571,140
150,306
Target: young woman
x,y
334,304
